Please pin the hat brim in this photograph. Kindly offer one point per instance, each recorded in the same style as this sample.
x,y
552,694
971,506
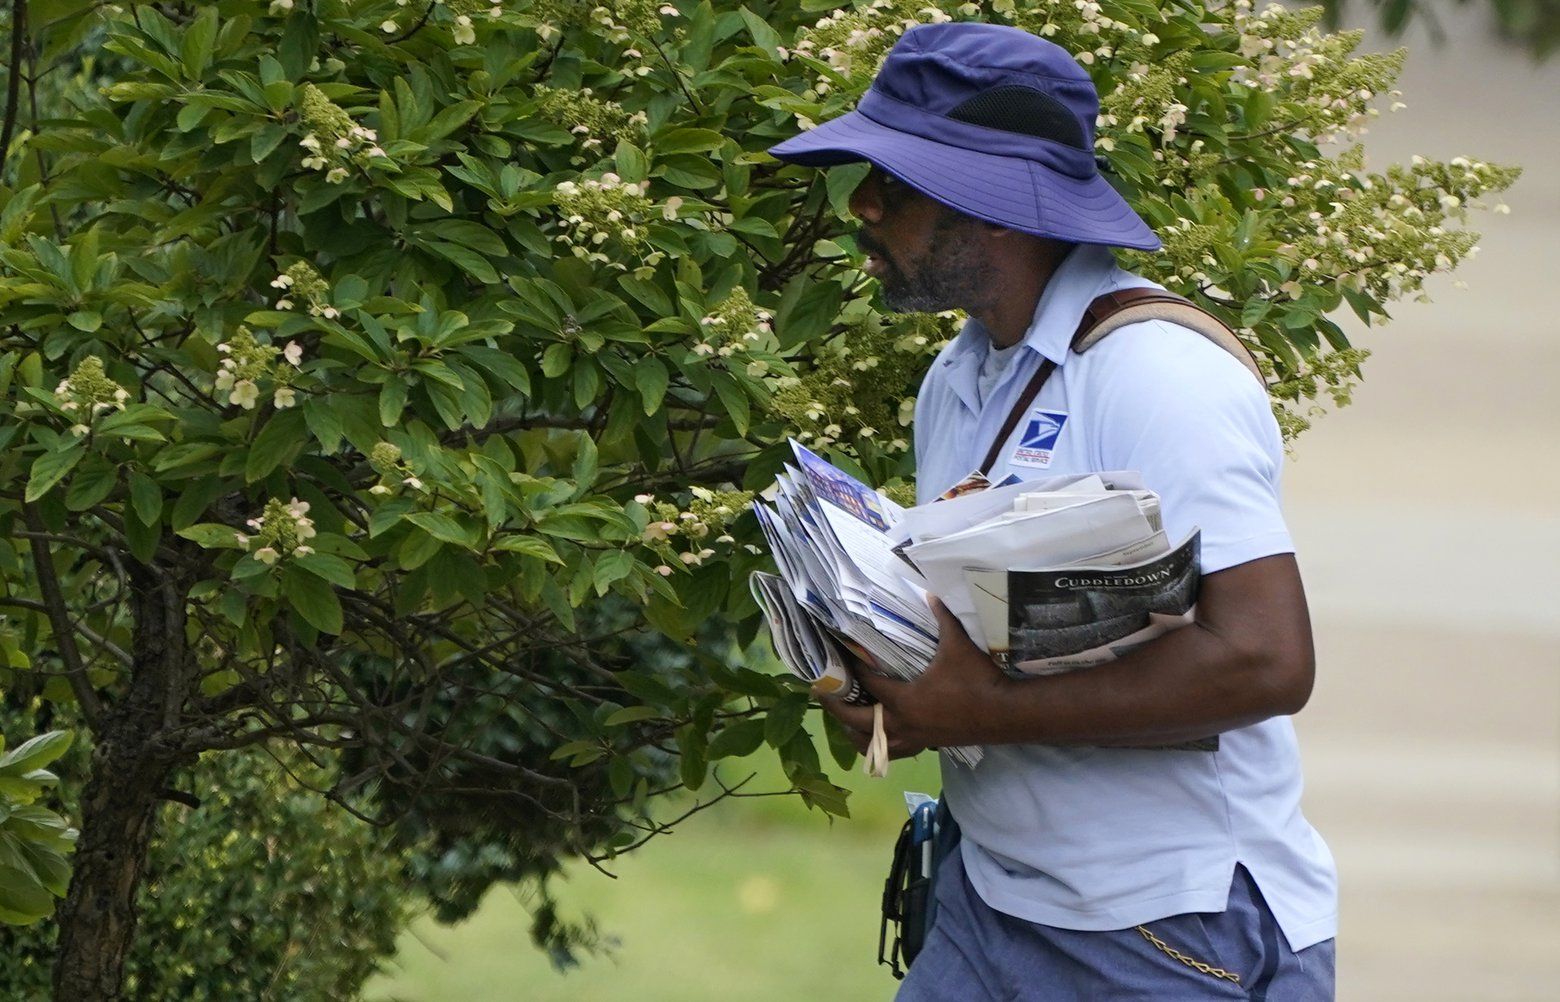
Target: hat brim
x,y
1009,191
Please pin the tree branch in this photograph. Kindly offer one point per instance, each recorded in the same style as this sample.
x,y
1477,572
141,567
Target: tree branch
x,y
13,78
59,617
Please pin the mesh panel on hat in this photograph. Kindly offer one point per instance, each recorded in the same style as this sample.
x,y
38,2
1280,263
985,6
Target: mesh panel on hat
x,y
1029,112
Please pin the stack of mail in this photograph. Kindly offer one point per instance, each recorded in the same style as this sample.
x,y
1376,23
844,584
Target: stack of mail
x,y
1055,574
1045,575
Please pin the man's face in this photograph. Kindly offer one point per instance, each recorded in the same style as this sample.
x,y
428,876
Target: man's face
x,y
926,256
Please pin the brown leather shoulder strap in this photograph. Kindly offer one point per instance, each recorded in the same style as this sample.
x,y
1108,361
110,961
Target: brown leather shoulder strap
x,y
1101,318
1024,399
1159,304
1105,306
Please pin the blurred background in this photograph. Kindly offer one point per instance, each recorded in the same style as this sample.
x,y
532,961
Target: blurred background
x,y
1428,530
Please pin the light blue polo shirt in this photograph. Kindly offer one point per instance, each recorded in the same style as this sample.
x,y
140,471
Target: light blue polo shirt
x,y
1108,838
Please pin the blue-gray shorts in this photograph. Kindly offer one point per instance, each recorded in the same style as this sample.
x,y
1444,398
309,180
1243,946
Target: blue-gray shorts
x,y
976,953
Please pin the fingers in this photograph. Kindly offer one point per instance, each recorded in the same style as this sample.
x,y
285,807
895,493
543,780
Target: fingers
x,y
855,718
861,654
880,686
948,624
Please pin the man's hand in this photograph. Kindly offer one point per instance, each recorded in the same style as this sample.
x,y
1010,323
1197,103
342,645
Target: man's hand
x,y
947,705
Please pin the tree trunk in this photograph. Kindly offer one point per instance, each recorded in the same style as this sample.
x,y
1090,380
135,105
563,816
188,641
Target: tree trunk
x,y
131,762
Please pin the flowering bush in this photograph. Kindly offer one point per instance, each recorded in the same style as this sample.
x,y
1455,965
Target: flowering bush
x,y
391,340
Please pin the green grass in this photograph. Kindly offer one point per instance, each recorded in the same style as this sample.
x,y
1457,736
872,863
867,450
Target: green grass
x,y
754,899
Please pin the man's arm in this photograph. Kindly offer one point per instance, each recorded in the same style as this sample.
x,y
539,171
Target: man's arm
x,y
1247,657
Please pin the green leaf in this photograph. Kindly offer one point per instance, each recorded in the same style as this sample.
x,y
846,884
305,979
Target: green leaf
x,y
737,740
466,259
200,35
631,163
265,141
328,567
735,400
95,481
647,292
212,536
651,378
693,765
612,566
632,714
193,501
812,314
840,748
50,468
840,183
784,718
86,321
441,527
22,896
313,599
764,36
556,359
190,116
324,423
584,472
531,546
466,233
282,438
505,367
687,140
145,497
392,400
142,537
35,753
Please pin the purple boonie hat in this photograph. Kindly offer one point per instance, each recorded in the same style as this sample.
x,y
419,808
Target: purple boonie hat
x,y
991,121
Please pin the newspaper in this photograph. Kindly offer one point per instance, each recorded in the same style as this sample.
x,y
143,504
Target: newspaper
x,y
1047,621
841,585
1046,575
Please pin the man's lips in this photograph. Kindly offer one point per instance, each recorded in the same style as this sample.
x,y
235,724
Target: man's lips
x,y
877,257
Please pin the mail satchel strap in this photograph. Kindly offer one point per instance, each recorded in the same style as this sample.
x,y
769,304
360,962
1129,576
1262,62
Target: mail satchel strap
x,y
1131,306
1024,399
1114,310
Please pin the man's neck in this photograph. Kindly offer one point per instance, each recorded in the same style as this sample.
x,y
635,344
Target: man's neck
x,y
1019,278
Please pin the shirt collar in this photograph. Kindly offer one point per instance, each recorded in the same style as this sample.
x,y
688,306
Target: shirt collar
x,y
1074,284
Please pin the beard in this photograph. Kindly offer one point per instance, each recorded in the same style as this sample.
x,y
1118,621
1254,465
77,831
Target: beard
x,y
948,275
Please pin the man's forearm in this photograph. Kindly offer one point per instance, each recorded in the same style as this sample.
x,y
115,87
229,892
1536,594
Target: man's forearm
x,y
1188,684
1246,658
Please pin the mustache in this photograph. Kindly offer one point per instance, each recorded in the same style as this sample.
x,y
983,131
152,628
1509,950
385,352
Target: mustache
x,y
866,242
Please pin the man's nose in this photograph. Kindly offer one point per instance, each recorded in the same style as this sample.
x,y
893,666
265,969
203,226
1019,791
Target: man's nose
x,y
866,202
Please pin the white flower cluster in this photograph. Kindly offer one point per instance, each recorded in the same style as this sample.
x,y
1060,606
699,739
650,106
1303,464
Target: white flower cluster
x,y
854,40
463,29
607,213
302,281
1294,57
680,535
88,392
247,362
737,327
600,125
622,22
333,141
279,531
857,389
385,458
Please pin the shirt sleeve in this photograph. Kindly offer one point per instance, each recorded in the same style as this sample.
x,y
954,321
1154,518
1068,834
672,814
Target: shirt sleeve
x,y
1200,429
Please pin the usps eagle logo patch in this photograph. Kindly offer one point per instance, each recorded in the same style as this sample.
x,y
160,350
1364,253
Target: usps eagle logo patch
x,y
1038,441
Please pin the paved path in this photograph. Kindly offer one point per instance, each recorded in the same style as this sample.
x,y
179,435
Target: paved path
x,y
1428,520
